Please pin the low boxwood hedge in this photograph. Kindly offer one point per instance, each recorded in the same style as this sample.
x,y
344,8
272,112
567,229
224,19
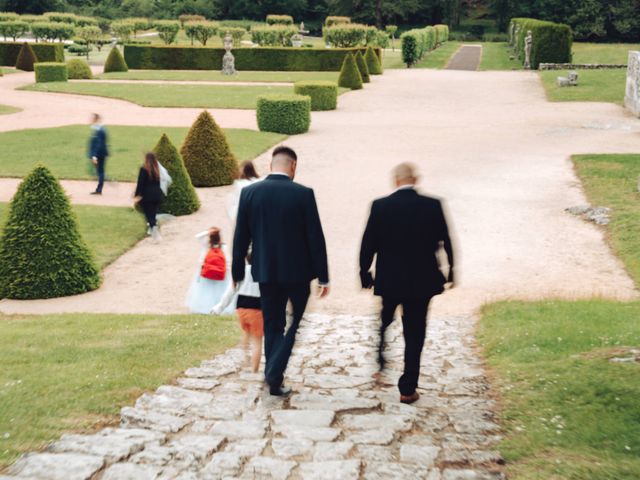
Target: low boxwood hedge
x,y
45,52
324,95
78,69
115,62
288,114
552,42
142,57
416,43
51,72
350,74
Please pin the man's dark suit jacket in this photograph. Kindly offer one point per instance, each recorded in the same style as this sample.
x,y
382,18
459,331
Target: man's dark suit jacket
x,y
280,218
98,144
404,232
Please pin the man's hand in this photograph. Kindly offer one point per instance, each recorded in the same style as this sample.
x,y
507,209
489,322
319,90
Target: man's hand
x,y
323,291
367,281
94,160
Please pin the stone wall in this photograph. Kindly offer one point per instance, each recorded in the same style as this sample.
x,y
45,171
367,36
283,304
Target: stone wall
x,y
580,66
632,96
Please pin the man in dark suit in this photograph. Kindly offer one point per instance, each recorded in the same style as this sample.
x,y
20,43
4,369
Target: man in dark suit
x,y
404,232
280,218
98,151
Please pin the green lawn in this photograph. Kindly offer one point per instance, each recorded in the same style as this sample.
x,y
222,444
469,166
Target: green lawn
x,y
439,58
495,56
568,412
63,149
195,96
602,52
108,231
215,76
392,59
7,70
6,109
593,86
65,373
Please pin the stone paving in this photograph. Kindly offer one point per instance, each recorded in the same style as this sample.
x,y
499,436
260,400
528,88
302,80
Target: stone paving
x,y
219,422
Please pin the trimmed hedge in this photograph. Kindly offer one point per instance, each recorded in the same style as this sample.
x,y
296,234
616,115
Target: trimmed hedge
x,y
274,35
288,114
78,69
181,198
350,74
552,42
279,20
323,95
336,20
45,52
348,35
115,62
42,254
416,43
51,72
362,67
26,58
143,57
373,62
207,155
442,33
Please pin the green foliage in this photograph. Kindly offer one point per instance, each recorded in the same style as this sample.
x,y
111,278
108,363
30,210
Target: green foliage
x,y
50,31
50,72
416,43
78,69
201,31
140,57
61,17
279,19
45,52
139,24
167,30
237,33
122,30
332,20
182,198
185,18
288,114
323,94
115,62
13,29
9,17
42,254
442,33
362,68
374,65
350,74
207,155
26,58
346,35
91,36
391,30
552,42
277,35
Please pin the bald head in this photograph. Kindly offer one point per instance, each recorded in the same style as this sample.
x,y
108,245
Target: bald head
x,y
405,174
284,160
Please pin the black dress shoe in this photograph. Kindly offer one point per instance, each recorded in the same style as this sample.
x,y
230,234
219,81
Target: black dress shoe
x,y
96,193
280,391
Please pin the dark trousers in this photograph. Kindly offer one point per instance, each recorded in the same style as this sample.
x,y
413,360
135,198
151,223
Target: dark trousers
x,y
414,329
100,173
150,210
278,344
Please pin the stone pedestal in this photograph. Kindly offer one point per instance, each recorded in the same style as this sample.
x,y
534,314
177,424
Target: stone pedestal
x,y
632,96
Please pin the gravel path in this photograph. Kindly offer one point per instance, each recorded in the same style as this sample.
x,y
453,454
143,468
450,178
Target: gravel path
x,y
467,58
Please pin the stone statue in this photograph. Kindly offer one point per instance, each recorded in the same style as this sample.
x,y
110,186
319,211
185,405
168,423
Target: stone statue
x,y
632,95
515,38
528,43
570,80
512,38
296,40
228,61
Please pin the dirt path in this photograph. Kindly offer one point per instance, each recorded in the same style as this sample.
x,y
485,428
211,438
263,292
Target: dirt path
x,y
500,156
467,58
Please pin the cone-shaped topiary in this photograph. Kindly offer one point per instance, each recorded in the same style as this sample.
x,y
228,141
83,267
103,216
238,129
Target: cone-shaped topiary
x,y
181,198
115,62
362,67
349,74
26,58
78,69
207,155
373,62
42,254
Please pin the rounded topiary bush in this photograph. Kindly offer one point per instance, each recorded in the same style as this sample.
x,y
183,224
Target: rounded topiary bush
x,y
42,254
349,74
115,62
51,72
207,155
373,62
289,114
324,95
26,58
181,198
78,69
362,67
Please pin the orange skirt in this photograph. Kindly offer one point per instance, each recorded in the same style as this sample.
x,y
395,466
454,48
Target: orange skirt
x,y
251,321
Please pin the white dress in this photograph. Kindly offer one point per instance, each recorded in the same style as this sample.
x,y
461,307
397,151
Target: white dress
x,y
233,200
204,293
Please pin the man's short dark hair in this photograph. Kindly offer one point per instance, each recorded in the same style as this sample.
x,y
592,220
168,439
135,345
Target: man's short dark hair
x,y
284,150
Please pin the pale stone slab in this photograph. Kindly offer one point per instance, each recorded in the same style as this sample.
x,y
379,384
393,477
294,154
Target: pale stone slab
x,y
248,448
162,422
130,471
385,471
222,465
57,466
239,429
331,381
317,434
419,454
306,418
268,468
376,420
154,455
452,474
371,437
288,448
331,470
196,447
332,451
374,453
198,383
315,401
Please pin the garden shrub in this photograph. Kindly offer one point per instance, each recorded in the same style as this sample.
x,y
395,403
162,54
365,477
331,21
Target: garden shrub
x,y
350,74
139,24
273,36
346,35
201,31
207,155
77,49
13,29
381,40
362,68
60,17
323,94
190,18
50,31
167,30
26,58
78,69
45,52
374,65
115,62
42,254
552,42
142,57
442,33
332,20
416,43
279,20
51,72
288,114
181,198
9,17
122,29
237,33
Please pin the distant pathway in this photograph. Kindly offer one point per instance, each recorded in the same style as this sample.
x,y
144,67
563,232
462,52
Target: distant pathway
x,y
467,58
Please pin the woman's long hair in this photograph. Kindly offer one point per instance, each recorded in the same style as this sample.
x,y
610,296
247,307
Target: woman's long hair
x,y
151,166
248,171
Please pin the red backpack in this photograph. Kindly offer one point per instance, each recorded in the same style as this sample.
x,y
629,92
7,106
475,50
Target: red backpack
x,y
215,265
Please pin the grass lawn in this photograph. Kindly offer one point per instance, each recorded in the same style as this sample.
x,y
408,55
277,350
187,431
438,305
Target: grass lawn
x,y
392,59
215,76
495,56
108,231
195,96
439,58
7,70
65,373
568,412
6,109
593,86
63,149
602,52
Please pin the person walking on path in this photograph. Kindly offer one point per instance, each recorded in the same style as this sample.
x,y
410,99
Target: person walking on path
x,y
248,176
98,150
404,233
149,193
280,219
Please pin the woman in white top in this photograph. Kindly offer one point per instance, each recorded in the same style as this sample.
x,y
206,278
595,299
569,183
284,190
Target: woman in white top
x,y
248,176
